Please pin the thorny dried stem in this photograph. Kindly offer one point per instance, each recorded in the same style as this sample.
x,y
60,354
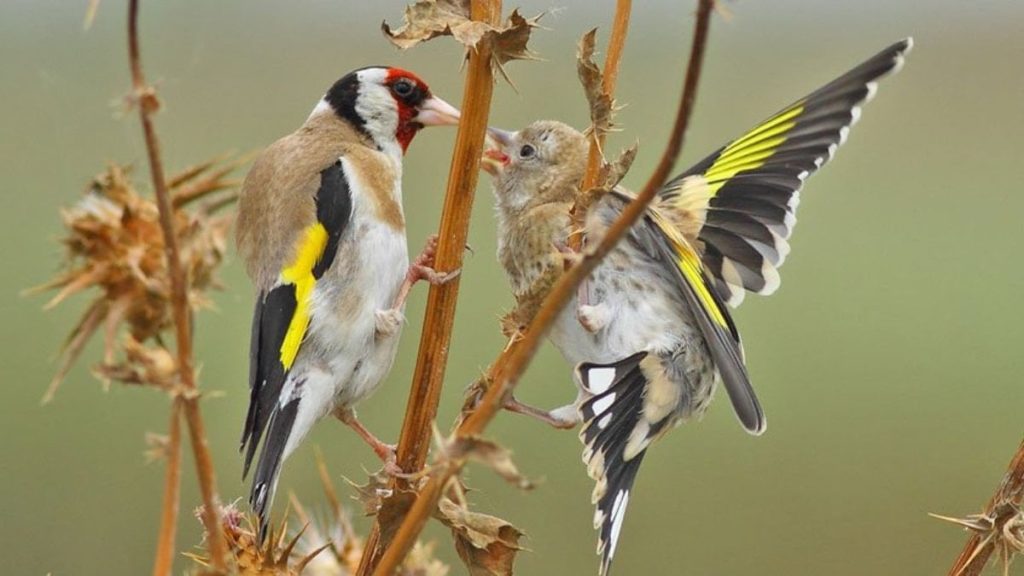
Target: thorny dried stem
x,y
509,366
147,104
435,339
164,561
610,75
1003,505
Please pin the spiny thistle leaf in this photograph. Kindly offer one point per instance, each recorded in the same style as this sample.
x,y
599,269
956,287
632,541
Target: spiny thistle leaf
x,y
602,106
486,544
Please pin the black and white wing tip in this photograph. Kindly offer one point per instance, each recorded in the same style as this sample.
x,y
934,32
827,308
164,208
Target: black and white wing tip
x,y
615,438
745,195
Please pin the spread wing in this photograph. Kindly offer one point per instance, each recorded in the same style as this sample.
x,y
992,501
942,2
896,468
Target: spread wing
x,y
281,318
738,205
665,244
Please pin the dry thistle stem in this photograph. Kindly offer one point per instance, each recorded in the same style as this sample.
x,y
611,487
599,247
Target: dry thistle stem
x,y
114,244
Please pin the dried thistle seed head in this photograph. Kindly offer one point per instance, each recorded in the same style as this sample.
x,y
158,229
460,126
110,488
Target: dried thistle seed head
x,y
114,244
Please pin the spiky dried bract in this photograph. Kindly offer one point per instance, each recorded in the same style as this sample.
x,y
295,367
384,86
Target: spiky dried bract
x,y
114,244
1002,528
602,106
609,176
486,544
428,19
323,544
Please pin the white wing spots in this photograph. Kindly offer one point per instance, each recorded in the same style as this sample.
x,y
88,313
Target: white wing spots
x,y
736,296
730,274
599,379
603,404
604,421
618,515
855,115
872,90
771,279
844,132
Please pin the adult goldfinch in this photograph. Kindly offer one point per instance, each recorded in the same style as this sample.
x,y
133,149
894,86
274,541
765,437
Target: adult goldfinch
x,y
649,332
322,232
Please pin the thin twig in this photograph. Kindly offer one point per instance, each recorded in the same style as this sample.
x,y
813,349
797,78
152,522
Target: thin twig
x,y
610,75
147,105
506,370
172,491
435,339
976,553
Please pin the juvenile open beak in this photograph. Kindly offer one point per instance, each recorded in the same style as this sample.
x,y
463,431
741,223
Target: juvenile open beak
x,y
494,159
436,112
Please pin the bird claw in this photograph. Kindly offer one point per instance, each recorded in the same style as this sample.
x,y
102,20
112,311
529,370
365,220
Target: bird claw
x,y
388,322
433,277
592,318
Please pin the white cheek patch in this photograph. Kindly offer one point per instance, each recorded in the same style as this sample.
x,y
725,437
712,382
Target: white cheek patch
x,y
376,106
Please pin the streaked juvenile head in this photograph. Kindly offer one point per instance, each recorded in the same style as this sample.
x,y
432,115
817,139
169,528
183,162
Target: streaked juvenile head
x,y
541,163
390,105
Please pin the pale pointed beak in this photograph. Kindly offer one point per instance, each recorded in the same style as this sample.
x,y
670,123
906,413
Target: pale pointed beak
x,y
502,137
436,112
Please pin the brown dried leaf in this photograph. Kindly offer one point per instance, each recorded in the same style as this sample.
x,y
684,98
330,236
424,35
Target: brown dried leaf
x,y
492,455
611,173
486,544
608,177
427,19
373,493
602,106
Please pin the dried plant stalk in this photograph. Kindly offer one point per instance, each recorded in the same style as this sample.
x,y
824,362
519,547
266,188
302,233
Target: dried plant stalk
x,y
595,154
164,561
147,104
506,370
424,395
1004,503
610,76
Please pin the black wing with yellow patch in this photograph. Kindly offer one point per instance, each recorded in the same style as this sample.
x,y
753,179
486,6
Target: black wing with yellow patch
x,y
744,196
280,322
664,243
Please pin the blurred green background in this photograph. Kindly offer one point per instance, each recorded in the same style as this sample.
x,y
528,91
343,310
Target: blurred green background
x,y
888,364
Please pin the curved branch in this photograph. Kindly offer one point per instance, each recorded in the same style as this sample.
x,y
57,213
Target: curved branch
x,y
147,105
506,370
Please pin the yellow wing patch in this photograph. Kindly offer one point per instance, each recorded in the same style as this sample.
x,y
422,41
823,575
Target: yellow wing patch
x,y
689,264
751,150
300,273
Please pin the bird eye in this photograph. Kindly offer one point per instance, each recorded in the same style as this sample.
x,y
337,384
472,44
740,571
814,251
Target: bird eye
x,y
403,87
527,151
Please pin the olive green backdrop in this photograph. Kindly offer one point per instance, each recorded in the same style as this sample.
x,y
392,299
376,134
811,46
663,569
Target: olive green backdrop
x,y
888,363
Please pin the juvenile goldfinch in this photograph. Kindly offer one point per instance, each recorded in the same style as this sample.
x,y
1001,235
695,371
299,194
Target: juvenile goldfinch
x,y
649,332
322,232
